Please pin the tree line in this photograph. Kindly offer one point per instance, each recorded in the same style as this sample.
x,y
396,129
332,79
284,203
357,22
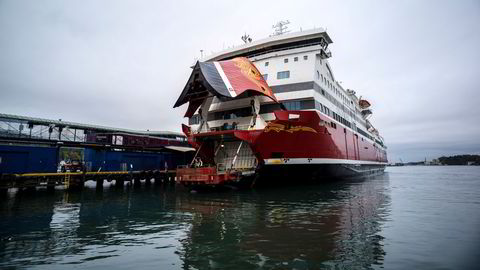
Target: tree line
x,y
460,160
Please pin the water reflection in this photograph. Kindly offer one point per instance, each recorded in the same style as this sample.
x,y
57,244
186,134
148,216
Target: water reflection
x,y
298,227
305,227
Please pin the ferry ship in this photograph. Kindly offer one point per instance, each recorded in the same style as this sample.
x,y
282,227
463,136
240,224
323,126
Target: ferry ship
x,y
272,109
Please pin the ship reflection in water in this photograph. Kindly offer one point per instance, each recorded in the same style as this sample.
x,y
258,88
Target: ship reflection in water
x,y
299,227
307,227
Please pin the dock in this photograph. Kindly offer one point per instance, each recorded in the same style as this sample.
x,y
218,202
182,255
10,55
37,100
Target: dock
x,y
43,153
76,180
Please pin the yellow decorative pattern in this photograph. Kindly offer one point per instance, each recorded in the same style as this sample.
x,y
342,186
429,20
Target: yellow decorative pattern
x,y
280,127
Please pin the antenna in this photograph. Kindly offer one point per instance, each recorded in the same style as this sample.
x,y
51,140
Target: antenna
x,y
246,38
280,28
201,53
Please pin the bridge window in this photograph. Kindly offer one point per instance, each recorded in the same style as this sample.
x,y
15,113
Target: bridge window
x,y
266,64
295,59
285,60
283,75
305,57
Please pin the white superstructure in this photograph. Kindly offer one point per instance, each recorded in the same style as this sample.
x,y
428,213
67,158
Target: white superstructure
x,y
295,66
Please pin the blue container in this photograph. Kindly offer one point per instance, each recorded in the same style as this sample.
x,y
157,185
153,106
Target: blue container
x,y
27,159
31,159
106,160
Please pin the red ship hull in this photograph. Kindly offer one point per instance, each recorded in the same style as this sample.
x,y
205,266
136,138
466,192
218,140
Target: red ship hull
x,y
303,145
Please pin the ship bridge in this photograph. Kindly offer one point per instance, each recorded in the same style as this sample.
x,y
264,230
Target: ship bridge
x,y
313,37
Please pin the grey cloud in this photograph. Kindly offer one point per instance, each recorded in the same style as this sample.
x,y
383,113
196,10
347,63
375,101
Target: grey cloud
x,y
123,63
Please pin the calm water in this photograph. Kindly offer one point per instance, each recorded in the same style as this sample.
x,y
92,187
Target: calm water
x,y
409,218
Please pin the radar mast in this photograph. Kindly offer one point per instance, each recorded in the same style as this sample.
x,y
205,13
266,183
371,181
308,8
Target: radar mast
x,y
280,28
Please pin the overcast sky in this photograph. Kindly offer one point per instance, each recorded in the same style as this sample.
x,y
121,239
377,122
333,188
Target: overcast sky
x,y
124,63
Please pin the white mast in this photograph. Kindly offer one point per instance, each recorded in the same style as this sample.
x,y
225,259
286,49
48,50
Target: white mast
x,y
280,28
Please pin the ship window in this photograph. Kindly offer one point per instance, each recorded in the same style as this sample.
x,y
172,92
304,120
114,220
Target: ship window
x,y
307,104
295,59
321,75
268,108
292,105
283,75
266,64
265,76
305,57
318,75
285,60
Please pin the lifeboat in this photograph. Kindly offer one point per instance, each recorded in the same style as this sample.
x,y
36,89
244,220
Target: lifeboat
x,y
364,104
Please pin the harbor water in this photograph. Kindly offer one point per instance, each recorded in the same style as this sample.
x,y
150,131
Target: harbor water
x,y
412,217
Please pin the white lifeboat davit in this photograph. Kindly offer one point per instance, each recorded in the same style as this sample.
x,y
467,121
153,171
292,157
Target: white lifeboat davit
x,y
366,112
